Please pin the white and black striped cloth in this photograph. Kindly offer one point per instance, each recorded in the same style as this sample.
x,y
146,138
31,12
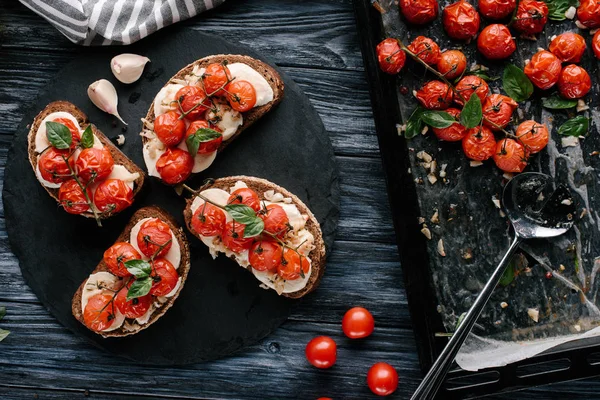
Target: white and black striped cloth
x,y
106,22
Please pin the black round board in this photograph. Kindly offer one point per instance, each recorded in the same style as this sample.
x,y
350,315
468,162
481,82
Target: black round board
x,y
221,309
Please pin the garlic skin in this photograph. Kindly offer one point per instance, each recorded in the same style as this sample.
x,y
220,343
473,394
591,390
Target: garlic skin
x,y
128,67
104,96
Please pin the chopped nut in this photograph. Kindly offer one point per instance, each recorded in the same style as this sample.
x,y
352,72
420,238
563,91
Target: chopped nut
x,y
409,170
443,170
440,248
580,25
502,213
432,179
400,129
567,202
435,218
504,304
121,140
508,175
466,254
421,220
426,165
561,267
426,232
496,202
581,106
433,167
583,213
577,328
534,314
476,163
569,141
425,130
423,155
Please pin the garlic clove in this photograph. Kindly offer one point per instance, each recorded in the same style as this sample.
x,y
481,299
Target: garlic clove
x,y
128,67
104,96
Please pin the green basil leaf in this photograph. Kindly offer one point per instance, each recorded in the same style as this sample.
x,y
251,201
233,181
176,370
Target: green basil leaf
x,y
472,113
558,8
3,334
2,312
193,144
509,274
138,268
482,74
414,125
516,84
558,103
460,320
254,228
201,135
87,138
438,119
58,135
139,288
577,126
241,213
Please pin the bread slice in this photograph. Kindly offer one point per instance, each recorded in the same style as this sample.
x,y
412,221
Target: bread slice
x,y
117,155
259,185
183,270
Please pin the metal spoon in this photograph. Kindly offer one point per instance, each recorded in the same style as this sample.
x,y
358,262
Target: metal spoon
x,y
535,210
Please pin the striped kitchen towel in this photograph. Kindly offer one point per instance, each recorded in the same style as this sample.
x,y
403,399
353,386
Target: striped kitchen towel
x,y
106,22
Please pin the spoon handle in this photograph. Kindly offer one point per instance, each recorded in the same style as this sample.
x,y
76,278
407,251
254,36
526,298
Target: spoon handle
x,y
437,374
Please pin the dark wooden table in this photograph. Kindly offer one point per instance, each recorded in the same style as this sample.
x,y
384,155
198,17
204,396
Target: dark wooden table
x,y
315,42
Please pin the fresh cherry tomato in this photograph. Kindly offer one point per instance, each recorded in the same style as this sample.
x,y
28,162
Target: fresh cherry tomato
x,y
265,255
133,308
215,78
533,135
321,352
510,156
568,47
495,42
164,277
574,82
382,379
497,9
205,147
435,95
174,166
588,13
193,102
53,167
498,110
479,144
169,128
461,20
113,196
543,70
241,95
390,56
117,255
208,220
94,164
358,323
452,63
233,237
454,132
531,17
596,44
74,130
154,238
426,49
99,312
245,196
275,219
419,11
72,199
293,265
469,85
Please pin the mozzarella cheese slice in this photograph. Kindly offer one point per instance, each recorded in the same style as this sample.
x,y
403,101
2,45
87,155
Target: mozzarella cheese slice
x,y
264,92
273,281
41,140
226,119
201,161
174,254
96,284
164,100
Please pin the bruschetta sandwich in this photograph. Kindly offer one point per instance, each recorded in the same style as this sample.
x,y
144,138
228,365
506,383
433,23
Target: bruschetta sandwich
x,y
78,165
138,278
264,228
202,109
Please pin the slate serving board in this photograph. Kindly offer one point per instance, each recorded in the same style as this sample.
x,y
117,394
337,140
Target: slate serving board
x,y
221,309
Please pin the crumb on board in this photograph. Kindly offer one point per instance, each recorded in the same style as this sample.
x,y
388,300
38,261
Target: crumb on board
x,y
435,218
121,140
440,248
423,155
432,178
426,232
561,267
496,201
577,328
534,314
421,220
475,163
504,304
466,254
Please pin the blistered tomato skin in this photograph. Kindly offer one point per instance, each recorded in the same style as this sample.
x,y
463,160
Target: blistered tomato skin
x,y
174,166
452,64
596,44
419,12
544,69
531,17
53,167
426,49
467,86
94,164
435,95
390,56
498,110
454,132
495,42
461,21
574,82
113,196
497,9
588,13
72,198
510,156
568,47
533,135
479,144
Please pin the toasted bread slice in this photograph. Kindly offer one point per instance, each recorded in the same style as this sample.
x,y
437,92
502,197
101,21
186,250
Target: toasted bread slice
x,y
131,327
317,255
82,119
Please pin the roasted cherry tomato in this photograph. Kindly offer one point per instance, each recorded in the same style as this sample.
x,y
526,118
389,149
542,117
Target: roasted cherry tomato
x,y
169,128
321,352
174,166
245,196
215,77
533,135
390,56
99,312
426,49
461,20
498,110
72,199
53,167
568,47
574,82
479,144
208,220
596,44
543,70
510,156
94,164
209,146
275,219
358,323
495,42
164,277
74,130
454,132
419,11
193,102
452,64
117,255
154,238
233,237
112,196
467,86
265,255
293,265
588,13
241,95
531,17
133,308
497,9
382,379
435,95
